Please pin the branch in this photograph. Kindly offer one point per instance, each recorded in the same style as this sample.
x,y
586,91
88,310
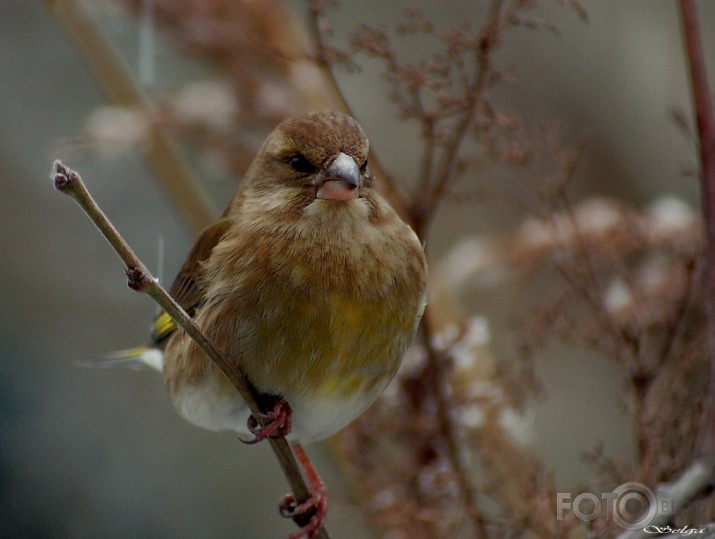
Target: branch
x,y
322,57
448,431
433,191
671,498
161,151
67,181
427,124
421,212
706,135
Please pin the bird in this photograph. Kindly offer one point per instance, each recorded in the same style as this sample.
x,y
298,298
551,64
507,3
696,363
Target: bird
x,y
310,282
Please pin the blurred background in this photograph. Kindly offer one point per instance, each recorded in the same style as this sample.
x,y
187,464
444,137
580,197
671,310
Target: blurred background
x,y
101,453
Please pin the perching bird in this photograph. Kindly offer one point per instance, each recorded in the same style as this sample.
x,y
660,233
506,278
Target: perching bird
x,y
310,282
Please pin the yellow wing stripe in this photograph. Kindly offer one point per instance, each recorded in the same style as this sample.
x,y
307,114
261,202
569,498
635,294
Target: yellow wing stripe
x,y
163,327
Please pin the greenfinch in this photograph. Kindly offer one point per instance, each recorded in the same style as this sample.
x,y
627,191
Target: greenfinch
x,y
309,281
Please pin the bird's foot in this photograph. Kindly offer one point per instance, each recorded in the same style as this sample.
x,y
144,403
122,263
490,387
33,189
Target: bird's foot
x,y
311,514
278,422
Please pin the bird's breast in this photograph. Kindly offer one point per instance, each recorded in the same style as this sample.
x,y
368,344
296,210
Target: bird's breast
x,y
319,310
324,342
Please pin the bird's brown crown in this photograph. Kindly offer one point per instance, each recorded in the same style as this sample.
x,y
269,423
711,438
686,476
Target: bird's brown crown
x,y
320,136
305,144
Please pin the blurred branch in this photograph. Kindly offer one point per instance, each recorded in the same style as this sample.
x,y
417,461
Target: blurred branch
x,y
671,498
161,151
323,56
706,134
434,190
435,375
324,60
698,480
67,181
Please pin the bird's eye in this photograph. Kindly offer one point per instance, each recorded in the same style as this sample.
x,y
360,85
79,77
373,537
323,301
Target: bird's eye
x,y
363,167
300,164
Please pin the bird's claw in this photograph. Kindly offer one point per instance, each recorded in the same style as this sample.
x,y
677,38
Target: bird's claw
x,y
310,514
279,422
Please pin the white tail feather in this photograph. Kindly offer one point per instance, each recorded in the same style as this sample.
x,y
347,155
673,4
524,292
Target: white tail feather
x,y
133,358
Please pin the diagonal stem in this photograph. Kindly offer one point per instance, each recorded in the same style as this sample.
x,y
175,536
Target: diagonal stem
x,y
139,278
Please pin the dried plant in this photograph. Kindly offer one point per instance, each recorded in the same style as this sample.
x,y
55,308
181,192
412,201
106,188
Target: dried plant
x,y
445,452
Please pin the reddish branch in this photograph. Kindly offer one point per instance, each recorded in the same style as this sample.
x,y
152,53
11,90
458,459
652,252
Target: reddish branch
x,y
706,134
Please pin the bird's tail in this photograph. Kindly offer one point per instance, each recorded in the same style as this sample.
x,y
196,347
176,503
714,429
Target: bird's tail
x,y
134,358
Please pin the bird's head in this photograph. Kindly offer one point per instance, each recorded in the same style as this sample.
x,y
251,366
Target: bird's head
x,y
314,156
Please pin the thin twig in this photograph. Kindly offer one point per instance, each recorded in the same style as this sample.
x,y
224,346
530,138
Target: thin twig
x,y
706,135
321,57
427,201
161,151
428,144
67,181
392,191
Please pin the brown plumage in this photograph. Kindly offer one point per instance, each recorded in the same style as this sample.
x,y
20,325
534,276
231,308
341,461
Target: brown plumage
x,y
310,282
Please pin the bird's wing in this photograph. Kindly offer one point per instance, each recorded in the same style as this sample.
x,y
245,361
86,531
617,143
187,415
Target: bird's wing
x,y
187,290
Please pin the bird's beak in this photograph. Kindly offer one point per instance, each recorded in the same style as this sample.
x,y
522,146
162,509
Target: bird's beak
x,y
341,180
